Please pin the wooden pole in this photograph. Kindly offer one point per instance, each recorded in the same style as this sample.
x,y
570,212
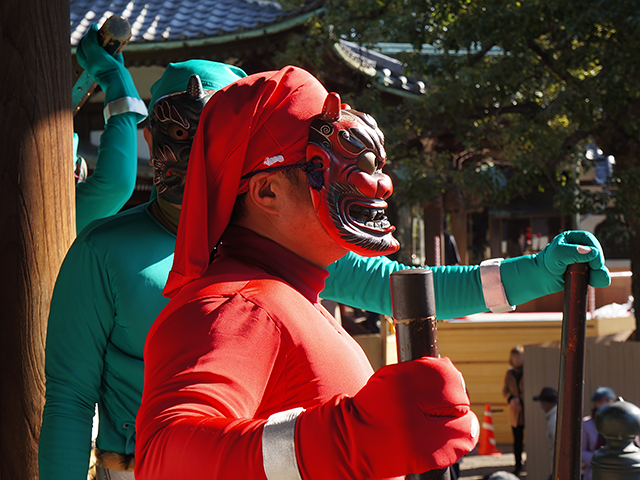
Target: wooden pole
x,y
414,313
567,451
37,211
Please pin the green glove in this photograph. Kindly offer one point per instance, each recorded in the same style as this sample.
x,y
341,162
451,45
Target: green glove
x,y
532,276
107,70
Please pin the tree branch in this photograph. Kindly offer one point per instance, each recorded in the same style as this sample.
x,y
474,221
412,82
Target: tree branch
x,y
375,15
548,61
574,138
476,57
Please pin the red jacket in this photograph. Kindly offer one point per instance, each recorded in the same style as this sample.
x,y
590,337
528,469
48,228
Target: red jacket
x,y
247,340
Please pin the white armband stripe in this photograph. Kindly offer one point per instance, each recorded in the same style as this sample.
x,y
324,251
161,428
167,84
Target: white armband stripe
x,y
125,105
279,446
495,297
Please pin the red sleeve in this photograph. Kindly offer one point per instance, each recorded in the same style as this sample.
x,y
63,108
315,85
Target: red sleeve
x,y
208,365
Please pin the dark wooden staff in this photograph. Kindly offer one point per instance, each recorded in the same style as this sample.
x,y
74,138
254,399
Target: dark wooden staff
x,y
567,450
414,313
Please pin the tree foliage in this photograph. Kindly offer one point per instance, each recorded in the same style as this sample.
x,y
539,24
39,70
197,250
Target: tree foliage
x,y
518,88
517,84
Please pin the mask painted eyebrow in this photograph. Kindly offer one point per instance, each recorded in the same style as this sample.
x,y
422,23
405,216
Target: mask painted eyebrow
x,y
164,111
369,139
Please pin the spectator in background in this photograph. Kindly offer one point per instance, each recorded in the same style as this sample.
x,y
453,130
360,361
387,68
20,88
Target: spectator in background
x,y
591,439
500,476
513,392
451,254
548,399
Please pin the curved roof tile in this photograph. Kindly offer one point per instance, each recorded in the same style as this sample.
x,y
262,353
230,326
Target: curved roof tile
x,y
186,18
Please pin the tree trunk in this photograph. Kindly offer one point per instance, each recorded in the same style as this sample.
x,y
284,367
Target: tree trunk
x,y
37,211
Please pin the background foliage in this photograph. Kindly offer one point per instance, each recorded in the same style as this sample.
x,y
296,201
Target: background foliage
x,y
518,88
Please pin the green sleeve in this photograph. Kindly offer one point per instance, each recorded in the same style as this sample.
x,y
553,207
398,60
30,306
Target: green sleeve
x,y
109,187
80,321
363,282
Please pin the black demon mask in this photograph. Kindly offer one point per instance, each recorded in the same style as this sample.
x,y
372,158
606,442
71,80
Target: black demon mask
x,y
173,123
349,190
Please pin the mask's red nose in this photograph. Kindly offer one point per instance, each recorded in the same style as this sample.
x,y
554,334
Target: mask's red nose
x,y
376,186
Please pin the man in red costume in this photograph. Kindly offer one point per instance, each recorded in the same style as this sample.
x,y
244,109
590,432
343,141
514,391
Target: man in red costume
x,y
246,375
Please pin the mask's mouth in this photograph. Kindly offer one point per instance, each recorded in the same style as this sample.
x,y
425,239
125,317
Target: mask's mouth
x,y
169,172
360,221
369,215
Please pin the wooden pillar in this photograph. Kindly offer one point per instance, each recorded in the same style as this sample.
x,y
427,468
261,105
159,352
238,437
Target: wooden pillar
x,y
37,211
433,221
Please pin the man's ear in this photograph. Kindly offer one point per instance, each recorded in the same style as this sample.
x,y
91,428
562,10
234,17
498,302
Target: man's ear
x,y
146,131
263,190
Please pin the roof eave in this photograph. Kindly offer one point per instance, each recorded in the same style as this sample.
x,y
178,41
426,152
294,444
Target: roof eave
x,y
377,77
222,39
352,63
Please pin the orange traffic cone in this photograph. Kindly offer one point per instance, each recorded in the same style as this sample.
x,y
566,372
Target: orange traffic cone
x,y
487,437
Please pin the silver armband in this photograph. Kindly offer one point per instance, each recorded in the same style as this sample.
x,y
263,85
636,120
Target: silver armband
x,y
279,446
495,297
124,105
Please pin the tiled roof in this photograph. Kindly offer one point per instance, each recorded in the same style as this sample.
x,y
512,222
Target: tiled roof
x,y
387,71
167,20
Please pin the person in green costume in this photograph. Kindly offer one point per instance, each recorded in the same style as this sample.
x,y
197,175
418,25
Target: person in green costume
x,y
112,182
109,292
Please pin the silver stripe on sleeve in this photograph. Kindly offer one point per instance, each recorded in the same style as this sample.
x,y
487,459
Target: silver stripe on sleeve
x,y
279,446
124,105
495,297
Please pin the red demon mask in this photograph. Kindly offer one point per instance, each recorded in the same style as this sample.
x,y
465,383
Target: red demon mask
x,y
349,190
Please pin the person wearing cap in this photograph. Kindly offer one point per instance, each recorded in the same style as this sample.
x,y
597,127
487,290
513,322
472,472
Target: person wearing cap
x,y
215,210
109,291
202,412
548,399
500,476
246,374
113,179
591,439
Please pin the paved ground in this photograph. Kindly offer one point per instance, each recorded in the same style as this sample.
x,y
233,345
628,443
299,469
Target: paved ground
x,y
475,467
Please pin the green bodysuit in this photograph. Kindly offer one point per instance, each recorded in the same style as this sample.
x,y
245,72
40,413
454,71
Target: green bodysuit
x,y
112,182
